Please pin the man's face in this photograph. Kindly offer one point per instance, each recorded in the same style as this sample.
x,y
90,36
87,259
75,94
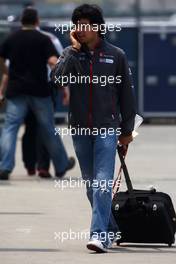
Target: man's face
x,y
85,32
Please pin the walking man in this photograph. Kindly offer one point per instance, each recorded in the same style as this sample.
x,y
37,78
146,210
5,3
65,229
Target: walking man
x,y
101,101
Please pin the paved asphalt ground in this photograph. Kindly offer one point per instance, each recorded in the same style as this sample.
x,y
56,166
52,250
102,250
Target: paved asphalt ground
x,y
35,212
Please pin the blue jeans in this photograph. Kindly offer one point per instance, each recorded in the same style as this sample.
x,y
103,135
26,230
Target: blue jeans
x,y
16,110
96,156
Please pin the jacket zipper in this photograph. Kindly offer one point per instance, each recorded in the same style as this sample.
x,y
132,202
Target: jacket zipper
x,y
90,95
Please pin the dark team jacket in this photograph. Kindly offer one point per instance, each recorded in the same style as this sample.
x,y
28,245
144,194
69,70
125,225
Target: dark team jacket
x,y
92,104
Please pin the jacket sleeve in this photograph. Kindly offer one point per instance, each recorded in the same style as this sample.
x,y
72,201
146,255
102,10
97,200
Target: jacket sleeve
x,y
67,64
126,98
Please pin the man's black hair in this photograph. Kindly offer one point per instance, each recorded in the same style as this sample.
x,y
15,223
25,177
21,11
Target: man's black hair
x,y
91,12
29,16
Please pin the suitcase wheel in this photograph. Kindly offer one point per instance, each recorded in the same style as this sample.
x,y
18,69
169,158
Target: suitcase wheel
x,y
170,245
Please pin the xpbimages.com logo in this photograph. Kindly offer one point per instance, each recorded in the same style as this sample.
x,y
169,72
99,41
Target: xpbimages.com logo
x,y
104,185
103,28
85,235
103,80
103,132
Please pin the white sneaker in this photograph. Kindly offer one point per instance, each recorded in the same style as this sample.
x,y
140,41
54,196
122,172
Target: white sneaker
x,y
97,246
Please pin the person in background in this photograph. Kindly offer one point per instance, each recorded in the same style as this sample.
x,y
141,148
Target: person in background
x,y
34,153
25,85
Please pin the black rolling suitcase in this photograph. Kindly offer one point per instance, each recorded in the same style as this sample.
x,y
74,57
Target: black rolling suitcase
x,y
143,216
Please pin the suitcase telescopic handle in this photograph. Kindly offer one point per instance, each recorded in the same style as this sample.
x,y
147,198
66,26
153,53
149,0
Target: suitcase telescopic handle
x,y
125,171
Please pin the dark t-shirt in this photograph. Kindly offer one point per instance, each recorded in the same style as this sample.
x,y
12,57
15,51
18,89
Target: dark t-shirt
x,y
28,52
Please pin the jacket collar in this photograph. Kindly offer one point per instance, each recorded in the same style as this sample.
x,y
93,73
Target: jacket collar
x,y
98,47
